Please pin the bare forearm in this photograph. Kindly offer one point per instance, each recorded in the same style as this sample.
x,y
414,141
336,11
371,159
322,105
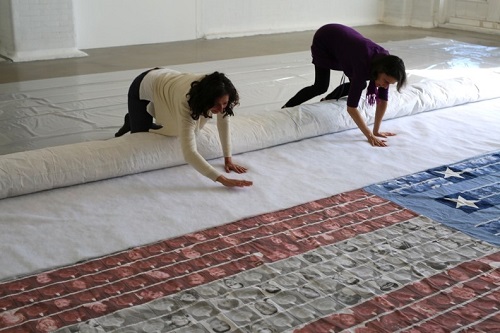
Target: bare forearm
x,y
370,136
359,121
379,115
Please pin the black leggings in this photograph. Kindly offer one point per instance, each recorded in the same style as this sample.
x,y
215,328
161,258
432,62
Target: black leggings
x,y
140,119
320,86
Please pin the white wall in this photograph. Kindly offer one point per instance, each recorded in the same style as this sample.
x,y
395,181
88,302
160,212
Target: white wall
x,y
473,15
47,29
105,23
395,12
415,13
6,29
37,30
232,18
424,13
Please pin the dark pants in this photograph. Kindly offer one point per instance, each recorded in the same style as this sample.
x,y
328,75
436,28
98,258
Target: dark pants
x,y
140,119
320,86
137,119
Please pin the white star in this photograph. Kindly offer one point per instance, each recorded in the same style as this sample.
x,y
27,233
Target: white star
x,y
450,173
460,201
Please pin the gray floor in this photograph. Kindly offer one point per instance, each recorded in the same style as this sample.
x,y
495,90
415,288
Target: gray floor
x,y
144,56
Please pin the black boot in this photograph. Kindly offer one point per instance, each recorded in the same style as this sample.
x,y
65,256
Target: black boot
x,y
155,126
125,128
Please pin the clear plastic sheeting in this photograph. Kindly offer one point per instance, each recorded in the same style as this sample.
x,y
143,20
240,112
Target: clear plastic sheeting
x,y
45,113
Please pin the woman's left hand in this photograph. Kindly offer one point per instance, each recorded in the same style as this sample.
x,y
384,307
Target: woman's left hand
x,y
230,166
384,134
235,167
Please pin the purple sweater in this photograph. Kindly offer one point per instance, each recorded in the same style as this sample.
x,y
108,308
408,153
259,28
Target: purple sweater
x,y
342,48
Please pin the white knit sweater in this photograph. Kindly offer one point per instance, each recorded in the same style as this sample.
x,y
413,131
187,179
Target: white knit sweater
x,y
166,90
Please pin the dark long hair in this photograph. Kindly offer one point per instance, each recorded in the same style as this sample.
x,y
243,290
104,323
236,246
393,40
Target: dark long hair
x,y
204,93
390,65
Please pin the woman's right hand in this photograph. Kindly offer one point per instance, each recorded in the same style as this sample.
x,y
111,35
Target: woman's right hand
x,y
376,142
233,182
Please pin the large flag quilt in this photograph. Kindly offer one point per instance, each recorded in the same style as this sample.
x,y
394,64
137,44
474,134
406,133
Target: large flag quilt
x,y
353,262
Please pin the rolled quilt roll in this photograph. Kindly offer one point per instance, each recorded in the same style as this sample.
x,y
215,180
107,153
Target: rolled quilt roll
x,y
54,167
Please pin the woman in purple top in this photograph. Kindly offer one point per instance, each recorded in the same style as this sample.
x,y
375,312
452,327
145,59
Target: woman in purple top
x,y
341,48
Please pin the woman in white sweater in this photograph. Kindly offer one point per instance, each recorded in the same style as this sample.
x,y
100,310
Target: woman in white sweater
x,y
182,103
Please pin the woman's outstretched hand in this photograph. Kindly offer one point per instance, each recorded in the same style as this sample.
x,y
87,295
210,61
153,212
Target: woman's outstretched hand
x,y
235,167
230,166
384,134
233,182
375,141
